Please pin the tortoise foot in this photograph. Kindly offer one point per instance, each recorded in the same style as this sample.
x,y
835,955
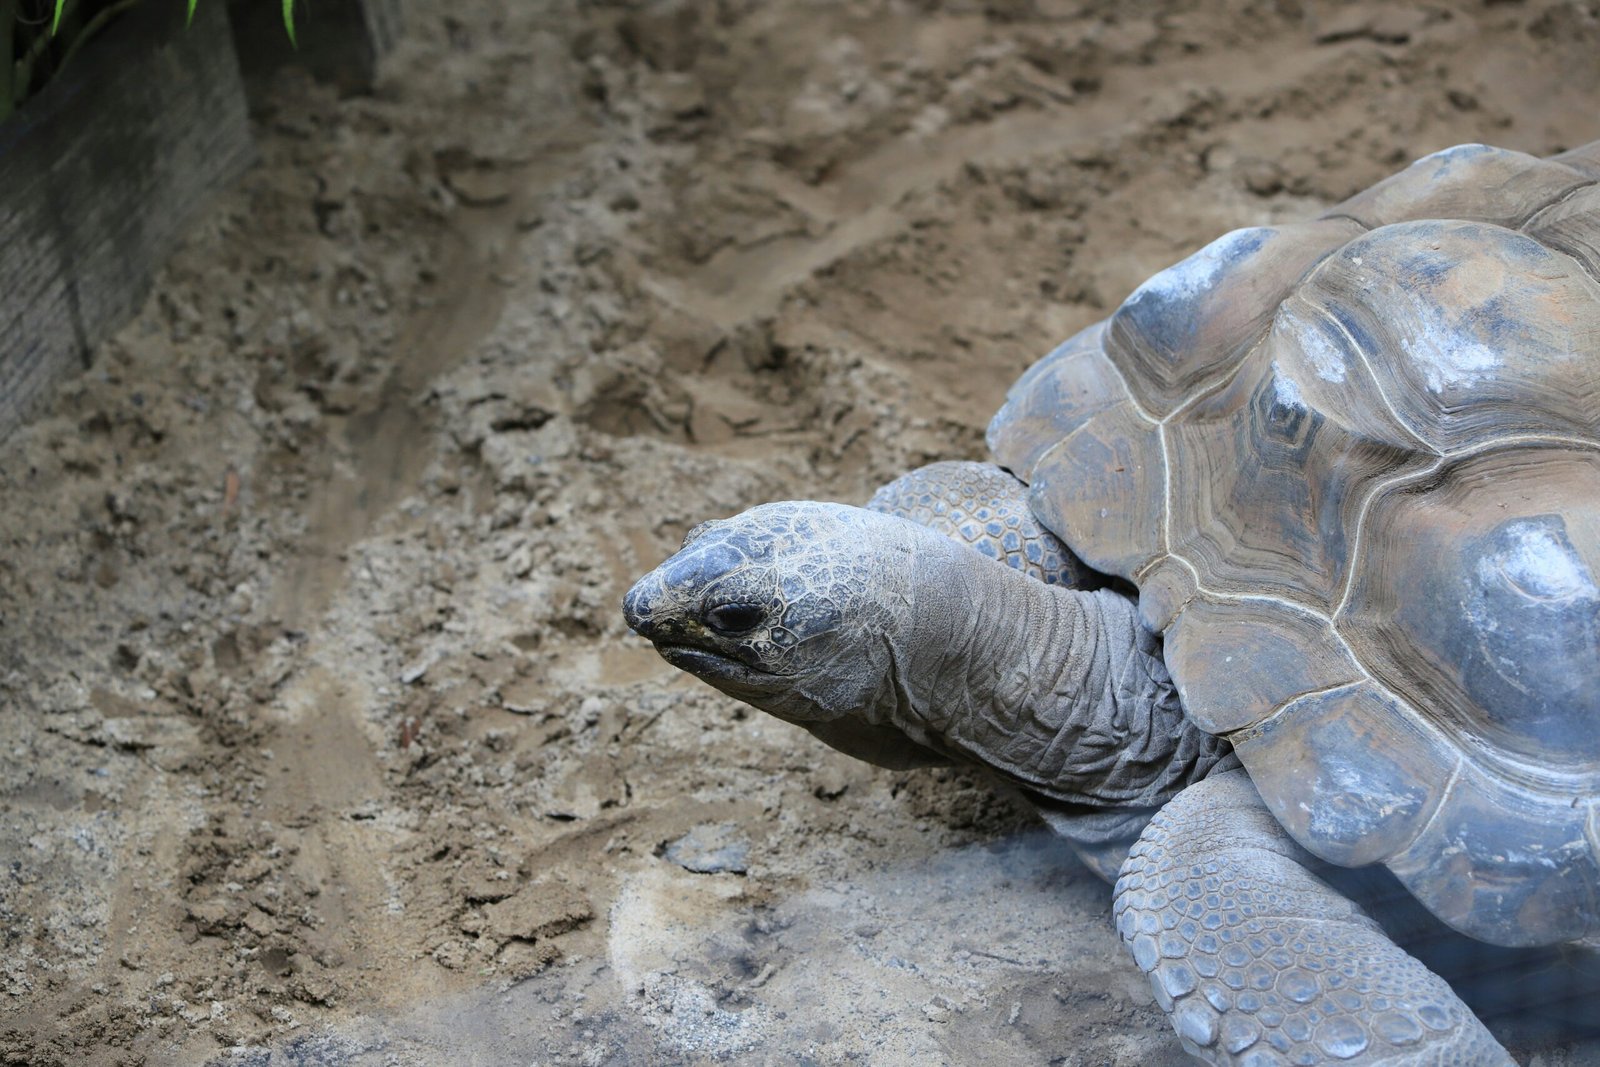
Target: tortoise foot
x,y
1259,962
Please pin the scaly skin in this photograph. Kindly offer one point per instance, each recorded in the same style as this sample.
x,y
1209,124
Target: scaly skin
x,y
1259,962
986,509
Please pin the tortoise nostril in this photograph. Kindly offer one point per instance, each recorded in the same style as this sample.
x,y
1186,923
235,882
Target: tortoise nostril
x,y
636,607
735,618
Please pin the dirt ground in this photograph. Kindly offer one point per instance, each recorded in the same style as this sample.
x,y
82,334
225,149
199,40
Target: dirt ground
x,y
324,741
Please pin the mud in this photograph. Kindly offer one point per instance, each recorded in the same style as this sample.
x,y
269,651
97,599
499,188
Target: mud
x,y
324,740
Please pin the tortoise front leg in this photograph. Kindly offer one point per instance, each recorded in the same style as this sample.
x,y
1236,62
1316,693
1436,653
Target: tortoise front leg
x,y
1257,961
986,509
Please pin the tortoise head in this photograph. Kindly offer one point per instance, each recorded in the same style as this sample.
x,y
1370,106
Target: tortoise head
x,y
789,607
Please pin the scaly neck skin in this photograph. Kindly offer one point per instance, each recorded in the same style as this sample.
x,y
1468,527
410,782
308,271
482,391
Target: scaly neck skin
x,y
1059,691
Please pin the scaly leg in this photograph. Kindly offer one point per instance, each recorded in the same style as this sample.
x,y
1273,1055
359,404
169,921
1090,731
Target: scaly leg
x,y
1259,962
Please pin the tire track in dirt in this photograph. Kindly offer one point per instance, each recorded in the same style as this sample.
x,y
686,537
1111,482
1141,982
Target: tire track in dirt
x,y
860,202
389,444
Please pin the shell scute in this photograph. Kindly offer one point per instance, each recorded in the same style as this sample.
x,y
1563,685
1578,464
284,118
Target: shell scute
x,y
1054,397
1246,659
1166,588
1351,774
1584,159
1469,181
1106,480
1472,330
1189,324
1268,472
1499,862
1572,225
1478,597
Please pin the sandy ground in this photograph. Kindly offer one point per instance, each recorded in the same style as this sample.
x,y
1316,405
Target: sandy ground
x,y
324,740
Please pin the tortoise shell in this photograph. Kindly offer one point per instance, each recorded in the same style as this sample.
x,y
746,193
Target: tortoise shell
x,y
1353,467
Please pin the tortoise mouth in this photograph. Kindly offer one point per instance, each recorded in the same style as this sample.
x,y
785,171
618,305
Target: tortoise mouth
x,y
712,666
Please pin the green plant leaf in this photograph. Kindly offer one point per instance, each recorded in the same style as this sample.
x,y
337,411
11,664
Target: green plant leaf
x,y
288,21
55,22
188,18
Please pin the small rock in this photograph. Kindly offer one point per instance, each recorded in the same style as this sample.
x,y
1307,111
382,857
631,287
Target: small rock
x,y
710,848
414,672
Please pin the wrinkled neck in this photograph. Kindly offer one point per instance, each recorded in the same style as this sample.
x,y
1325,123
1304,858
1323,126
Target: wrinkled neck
x,y
1057,690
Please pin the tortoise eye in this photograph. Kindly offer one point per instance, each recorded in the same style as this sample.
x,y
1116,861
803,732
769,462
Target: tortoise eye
x,y
735,618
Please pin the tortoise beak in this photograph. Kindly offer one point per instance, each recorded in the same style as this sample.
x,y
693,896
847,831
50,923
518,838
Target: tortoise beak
x,y
664,605
641,604
659,615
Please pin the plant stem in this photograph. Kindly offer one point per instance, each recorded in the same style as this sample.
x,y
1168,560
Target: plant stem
x,y
92,27
29,59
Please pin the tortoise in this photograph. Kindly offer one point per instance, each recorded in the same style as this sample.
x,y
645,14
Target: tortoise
x,y
1293,566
